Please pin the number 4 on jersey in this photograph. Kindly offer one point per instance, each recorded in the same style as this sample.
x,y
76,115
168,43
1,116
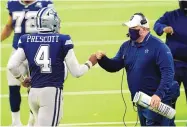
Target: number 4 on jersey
x,y
42,59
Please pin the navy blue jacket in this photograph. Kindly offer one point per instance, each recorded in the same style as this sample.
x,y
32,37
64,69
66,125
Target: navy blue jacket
x,y
178,41
149,66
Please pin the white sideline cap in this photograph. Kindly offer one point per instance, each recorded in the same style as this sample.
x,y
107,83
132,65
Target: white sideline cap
x,y
136,21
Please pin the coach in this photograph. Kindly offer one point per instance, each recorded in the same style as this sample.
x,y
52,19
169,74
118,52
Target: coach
x,y
149,66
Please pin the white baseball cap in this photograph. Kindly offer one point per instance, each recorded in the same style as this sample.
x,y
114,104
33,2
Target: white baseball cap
x,y
136,21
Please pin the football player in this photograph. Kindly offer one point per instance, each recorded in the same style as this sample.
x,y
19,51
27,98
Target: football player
x,y
46,52
21,21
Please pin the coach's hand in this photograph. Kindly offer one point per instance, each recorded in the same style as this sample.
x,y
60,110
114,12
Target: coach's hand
x,y
93,59
155,101
27,82
168,30
100,54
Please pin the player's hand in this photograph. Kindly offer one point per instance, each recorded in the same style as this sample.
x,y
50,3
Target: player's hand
x,y
168,30
155,101
26,82
93,59
100,54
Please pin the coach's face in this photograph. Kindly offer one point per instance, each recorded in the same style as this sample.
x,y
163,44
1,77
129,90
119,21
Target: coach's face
x,y
141,30
136,32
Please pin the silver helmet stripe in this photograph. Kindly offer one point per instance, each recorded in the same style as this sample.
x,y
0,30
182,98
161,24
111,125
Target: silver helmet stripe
x,y
38,17
42,14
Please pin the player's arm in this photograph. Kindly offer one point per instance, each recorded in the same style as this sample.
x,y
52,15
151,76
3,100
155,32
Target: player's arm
x,y
15,61
161,23
7,30
74,67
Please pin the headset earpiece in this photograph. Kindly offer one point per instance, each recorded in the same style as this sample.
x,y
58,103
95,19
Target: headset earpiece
x,y
143,21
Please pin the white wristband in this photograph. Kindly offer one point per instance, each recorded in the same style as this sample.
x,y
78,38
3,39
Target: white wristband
x,y
89,64
21,78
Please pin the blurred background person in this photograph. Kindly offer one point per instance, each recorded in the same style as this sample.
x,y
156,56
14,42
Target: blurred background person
x,y
174,24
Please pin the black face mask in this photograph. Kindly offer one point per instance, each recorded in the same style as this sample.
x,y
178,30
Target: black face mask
x,y
134,34
183,6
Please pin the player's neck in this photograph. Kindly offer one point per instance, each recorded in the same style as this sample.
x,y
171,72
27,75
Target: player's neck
x,y
26,2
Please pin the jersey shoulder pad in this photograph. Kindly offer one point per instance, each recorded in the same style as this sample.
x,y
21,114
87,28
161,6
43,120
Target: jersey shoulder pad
x,y
10,4
66,42
24,36
13,5
21,41
63,38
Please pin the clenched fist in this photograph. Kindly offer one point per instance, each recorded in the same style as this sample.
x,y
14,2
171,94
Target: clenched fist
x,y
93,59
26,82
168,30
100,54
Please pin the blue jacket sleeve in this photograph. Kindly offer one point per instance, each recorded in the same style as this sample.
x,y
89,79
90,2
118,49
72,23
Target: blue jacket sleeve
x,y
111,65
115,64
164,61
161,23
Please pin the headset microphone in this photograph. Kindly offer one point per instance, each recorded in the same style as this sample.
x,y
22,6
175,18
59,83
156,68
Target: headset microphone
x,y
128,35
